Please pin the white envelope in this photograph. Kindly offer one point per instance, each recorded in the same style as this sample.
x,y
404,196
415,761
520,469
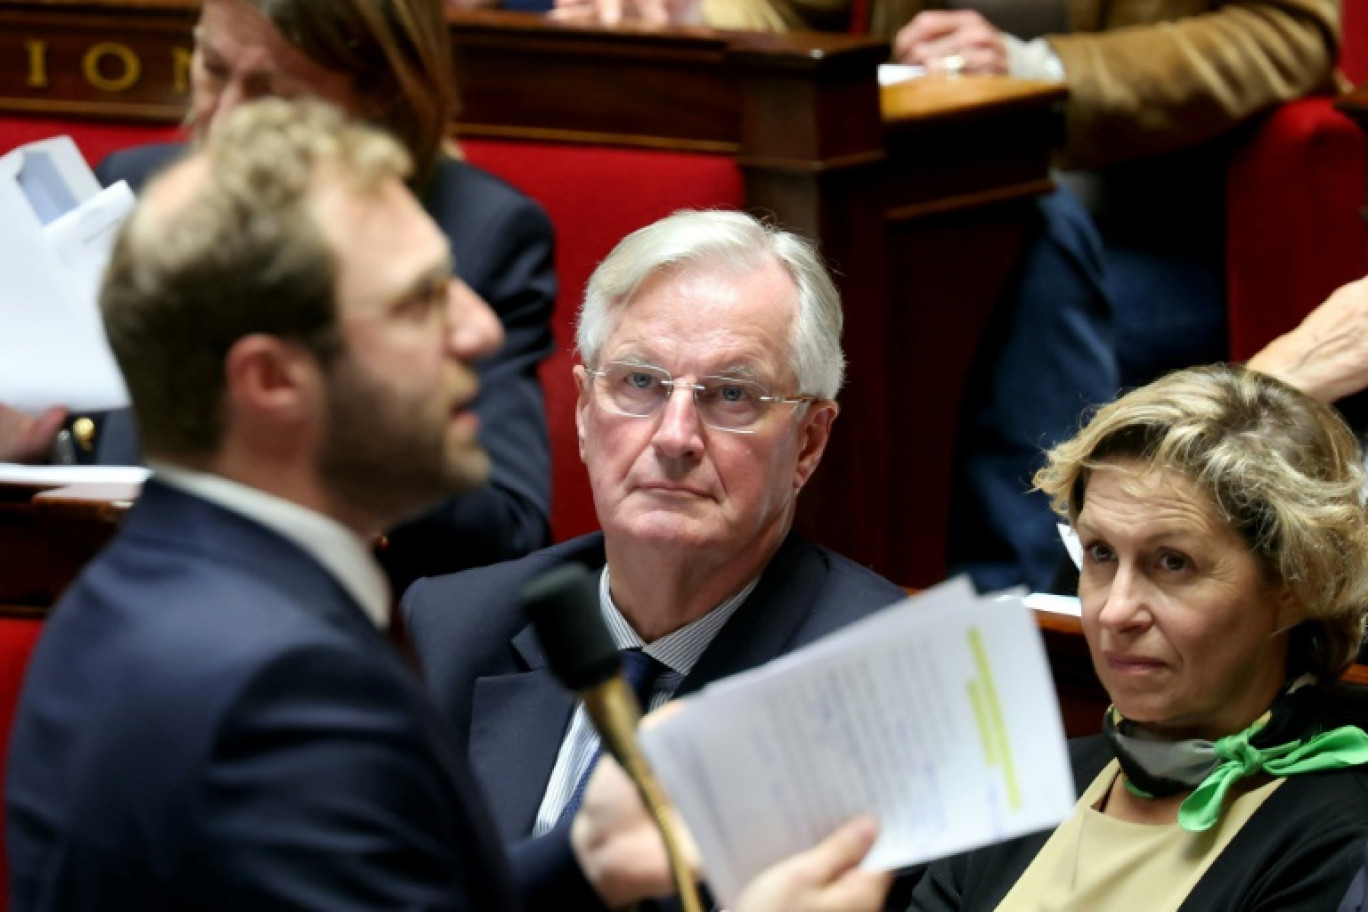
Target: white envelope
x,y
53,349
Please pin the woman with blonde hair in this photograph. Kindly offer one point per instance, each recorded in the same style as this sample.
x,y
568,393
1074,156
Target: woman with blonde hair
x,y
1223,589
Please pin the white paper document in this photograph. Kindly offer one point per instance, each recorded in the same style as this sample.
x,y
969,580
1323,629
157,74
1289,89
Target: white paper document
x,y
937,716
56,232
893,73
1054,604
60,476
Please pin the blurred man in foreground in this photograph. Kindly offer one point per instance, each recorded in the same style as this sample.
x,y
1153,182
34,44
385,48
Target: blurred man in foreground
x,y
213,718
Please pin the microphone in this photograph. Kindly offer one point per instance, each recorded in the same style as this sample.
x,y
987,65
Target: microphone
x,y
563,604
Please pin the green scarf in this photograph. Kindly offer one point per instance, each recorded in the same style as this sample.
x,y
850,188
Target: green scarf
x,y
1282,742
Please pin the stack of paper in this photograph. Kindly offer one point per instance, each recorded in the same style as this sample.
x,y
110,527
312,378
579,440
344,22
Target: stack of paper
x,y
937,716
57,228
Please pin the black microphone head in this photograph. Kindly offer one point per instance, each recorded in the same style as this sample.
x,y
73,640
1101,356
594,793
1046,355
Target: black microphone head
x,y
563,604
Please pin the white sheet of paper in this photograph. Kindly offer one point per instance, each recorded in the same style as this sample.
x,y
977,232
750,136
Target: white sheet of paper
x,y
1055,604
69,171
891,73
84,239
1071,543
936,715
52,348
13,473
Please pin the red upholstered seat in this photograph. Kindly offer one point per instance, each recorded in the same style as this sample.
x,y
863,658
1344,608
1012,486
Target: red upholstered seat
x,y
1353,60
17,637
1294,231
1294,191
595,197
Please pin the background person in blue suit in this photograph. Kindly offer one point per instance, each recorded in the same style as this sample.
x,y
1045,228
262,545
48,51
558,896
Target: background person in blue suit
x,y
711,361
389,62
212,719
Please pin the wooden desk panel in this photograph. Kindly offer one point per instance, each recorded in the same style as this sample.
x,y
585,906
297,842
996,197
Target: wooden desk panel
x,y
917,195
129,60
47,534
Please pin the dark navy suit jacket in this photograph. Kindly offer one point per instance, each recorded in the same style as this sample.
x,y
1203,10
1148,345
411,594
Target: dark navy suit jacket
x,y
489,677
1357,898
211,722
502,245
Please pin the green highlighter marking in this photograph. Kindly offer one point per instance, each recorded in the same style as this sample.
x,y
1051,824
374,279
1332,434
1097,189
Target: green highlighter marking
x,y
988,716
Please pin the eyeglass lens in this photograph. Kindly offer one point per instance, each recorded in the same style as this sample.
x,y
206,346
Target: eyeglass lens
x,y
728,403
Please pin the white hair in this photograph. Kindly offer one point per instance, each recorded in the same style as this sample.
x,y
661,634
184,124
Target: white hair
x,y
737,243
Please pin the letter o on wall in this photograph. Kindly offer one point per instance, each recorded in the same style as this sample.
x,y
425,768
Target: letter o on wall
x,y
129,65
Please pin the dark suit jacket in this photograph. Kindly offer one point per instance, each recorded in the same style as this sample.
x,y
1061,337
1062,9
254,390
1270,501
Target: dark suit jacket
x,y
1356,900
502,245
488,674
210,722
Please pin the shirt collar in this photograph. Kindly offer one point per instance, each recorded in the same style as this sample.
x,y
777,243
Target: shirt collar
x,y
343,553
681,649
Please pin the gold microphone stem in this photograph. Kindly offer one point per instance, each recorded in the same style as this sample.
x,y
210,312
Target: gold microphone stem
x,y
613,707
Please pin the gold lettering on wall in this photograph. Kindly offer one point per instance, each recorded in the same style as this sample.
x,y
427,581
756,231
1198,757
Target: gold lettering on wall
x,y
37,63
129,66
180,71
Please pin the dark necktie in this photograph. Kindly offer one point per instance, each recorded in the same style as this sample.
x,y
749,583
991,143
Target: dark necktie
x,y
641,672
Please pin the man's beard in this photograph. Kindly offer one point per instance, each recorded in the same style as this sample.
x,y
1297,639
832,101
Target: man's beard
x,y
386,453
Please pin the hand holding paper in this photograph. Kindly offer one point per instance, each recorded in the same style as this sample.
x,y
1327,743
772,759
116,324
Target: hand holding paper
x,y
936,716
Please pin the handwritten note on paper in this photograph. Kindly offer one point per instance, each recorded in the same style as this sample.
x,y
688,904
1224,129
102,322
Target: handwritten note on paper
x,y
937,716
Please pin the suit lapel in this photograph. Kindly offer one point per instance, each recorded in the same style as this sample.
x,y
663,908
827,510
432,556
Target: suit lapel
x,y
517,722
767,625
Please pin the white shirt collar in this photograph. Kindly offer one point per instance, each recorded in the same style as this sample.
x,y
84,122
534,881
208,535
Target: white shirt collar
x,y
343,553
681,649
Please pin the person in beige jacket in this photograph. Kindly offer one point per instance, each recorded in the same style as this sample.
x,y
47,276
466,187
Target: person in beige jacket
x,y
1144,76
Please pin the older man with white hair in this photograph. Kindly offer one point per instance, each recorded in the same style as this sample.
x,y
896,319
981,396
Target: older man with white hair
x,y
711,354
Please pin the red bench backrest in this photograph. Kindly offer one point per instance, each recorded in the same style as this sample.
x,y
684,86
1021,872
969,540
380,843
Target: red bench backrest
x,y
17,637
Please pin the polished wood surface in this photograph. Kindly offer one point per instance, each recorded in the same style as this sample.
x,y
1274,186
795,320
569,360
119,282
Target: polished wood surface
x,y
919,195
47,533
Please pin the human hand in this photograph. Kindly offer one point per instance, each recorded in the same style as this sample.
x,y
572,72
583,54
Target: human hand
x,y
825,878
24,438
1326,356
612,12
616,842
951,42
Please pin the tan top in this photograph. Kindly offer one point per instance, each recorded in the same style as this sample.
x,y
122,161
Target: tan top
x,y
1093,861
